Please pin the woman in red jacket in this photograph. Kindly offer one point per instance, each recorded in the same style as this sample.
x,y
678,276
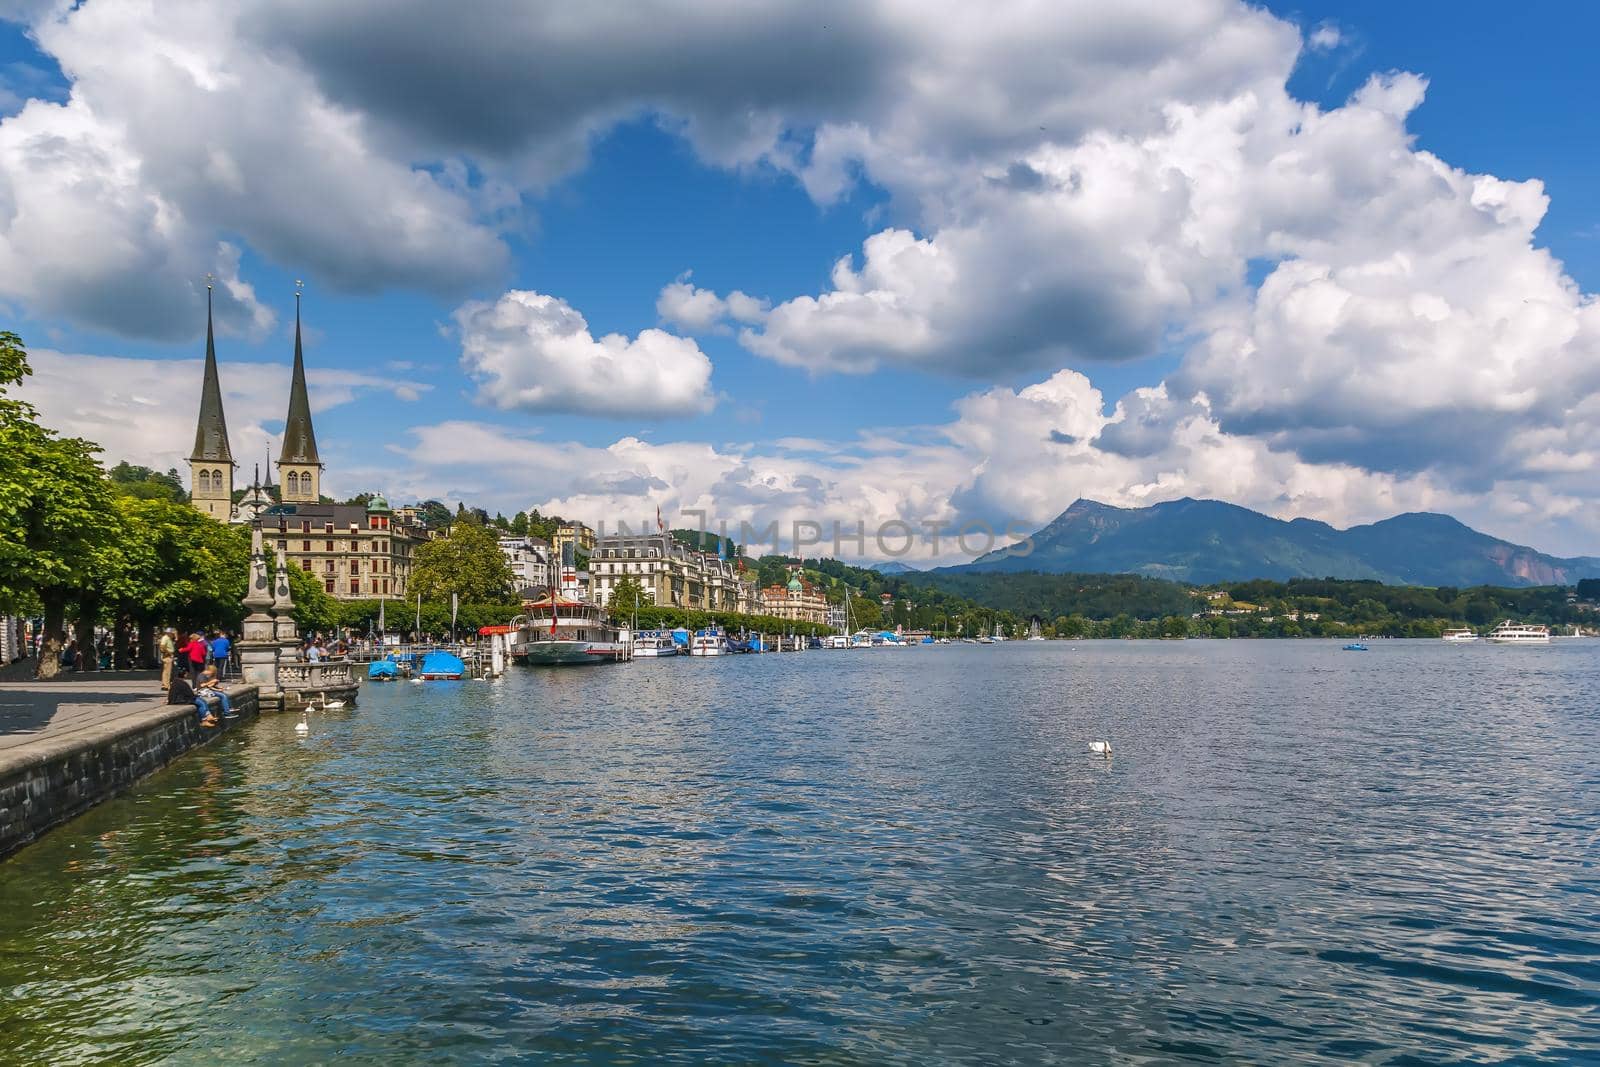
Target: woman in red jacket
x,y
194,654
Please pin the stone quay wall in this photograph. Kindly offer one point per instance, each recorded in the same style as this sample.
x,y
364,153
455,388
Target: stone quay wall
x,y
55,779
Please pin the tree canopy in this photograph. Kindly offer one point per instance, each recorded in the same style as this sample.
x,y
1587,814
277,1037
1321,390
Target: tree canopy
x,y
468,563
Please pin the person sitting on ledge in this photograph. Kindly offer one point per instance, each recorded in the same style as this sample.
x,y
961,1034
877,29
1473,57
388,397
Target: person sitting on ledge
x,y
211,692
180,692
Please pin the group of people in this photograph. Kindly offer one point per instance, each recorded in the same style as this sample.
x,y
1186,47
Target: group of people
x,y
193,671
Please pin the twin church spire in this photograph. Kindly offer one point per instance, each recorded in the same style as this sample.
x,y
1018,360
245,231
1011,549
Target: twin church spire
x,y
211,465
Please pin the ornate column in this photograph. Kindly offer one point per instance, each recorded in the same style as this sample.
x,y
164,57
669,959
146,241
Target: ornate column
x,y
283,611
258,646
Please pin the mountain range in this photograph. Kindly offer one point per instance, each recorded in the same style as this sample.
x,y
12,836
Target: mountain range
x,y
1209,541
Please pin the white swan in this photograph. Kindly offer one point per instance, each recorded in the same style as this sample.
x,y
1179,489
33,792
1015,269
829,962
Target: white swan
x,y
302,727
1100,748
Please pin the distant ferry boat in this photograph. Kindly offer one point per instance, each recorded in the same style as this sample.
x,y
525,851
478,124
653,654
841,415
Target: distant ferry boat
x,y
1460,633
580,634
1510,633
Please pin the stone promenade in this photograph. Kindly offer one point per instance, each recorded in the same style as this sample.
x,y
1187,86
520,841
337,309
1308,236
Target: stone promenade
x,y
70,743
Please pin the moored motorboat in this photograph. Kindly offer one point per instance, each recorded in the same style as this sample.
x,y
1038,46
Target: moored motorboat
x,y
1460,633
652,645
441,666
383,670
710,642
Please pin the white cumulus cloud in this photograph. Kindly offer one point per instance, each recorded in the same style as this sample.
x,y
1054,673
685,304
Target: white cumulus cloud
x,y
533,352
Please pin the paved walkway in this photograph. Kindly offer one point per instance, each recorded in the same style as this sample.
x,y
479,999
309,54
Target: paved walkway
x,y
36,711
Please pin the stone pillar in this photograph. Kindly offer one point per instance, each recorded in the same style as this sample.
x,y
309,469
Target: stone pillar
x,y
283,613
258,645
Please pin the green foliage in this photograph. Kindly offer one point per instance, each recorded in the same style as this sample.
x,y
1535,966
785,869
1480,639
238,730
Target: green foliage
x,y
128,479
400,616
171,564
468,563
55,503
628,595
705,541
434,514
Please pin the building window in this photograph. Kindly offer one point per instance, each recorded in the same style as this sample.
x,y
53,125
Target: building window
x,y
328,584
283,546
386,585
355,586
330,546
328,567
305,564
305,524
355,566
327,527
205,481
305,546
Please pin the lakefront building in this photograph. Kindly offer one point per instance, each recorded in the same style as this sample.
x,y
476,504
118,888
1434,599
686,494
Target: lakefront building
x,y
529,559
671,574
357,552
797,601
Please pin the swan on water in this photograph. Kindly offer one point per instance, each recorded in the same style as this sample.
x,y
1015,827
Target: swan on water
x,y
302,727
1100,748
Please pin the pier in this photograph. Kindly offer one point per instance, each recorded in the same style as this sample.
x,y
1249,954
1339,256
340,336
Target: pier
x,y
67,745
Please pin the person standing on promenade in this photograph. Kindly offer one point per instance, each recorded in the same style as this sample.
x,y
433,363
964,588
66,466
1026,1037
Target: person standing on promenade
x,y
221,649
194,654
169,648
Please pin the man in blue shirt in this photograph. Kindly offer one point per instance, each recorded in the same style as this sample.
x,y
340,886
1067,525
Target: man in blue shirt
x,y
221,649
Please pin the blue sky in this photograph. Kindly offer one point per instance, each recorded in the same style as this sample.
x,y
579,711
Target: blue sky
x,y
603,231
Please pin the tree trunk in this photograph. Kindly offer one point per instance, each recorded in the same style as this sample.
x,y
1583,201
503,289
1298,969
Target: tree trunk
x,y
121,653
55,617
149,658
88,610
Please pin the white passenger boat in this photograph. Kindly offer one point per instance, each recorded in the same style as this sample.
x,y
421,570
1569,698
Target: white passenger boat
x,y
561,631
1460,633
1510,633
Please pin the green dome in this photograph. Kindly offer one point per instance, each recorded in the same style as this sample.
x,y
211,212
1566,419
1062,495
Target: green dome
x,y
377,503
794,584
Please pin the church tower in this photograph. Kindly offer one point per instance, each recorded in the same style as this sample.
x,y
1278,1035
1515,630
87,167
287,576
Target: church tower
x,y
299,468
211,462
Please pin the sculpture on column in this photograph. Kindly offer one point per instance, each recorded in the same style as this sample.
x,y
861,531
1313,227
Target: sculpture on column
x,y
258,645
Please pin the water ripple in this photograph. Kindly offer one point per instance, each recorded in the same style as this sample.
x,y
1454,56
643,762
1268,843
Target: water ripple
x,y
887,857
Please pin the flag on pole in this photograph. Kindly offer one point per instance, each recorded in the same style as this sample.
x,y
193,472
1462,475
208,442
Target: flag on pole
x,y
455,603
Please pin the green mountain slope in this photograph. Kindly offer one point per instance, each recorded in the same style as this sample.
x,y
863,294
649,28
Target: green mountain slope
x,y
1207,541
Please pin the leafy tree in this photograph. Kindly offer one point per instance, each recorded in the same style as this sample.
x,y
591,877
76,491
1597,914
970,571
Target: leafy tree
x,y
55,510
434,514
628,595
132,480
468,563
519,524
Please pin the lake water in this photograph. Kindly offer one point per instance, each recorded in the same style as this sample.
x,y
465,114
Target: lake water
x,y
887,856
